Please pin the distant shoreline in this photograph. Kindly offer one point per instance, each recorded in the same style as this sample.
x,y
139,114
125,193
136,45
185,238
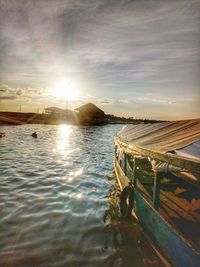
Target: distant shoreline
x,y
19,118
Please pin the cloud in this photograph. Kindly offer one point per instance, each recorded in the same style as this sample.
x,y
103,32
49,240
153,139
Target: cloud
x,y
146,38
105,101
28,93
109,101
87,97
7,97
117,49
19,92
154,100
123,101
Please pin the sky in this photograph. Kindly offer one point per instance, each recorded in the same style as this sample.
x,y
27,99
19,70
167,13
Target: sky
x,y
132,58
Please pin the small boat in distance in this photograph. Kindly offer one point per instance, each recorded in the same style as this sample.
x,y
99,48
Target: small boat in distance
x,y
2,134
158,170
34,135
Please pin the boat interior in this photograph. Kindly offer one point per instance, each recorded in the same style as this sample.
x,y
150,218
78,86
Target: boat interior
x,y
178,201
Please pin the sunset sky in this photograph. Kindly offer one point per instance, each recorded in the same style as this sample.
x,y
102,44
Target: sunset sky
x,y
137,58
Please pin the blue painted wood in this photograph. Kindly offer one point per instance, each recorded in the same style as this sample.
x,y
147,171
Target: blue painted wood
x,y
178,252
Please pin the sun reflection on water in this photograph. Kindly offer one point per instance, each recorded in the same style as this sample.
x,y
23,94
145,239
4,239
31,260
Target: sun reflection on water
x,y
73,175
75,196
63,139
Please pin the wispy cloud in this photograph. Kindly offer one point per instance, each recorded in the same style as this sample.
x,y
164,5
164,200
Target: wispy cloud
x,y
105,101
117,49
12,93
154,100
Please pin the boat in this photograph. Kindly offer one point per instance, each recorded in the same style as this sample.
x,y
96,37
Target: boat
x,y
2,135
157,167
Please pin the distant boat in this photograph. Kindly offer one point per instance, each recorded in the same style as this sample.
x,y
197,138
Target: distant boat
x,y
2,135
158,170
34,135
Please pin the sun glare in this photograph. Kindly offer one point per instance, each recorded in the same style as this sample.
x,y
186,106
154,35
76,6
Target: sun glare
x,y
64,90
63,139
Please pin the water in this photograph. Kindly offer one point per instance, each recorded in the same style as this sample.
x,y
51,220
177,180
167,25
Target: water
x,y
57,205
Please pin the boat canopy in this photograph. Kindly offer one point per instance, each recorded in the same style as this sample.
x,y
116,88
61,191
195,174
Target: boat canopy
x,y
177,139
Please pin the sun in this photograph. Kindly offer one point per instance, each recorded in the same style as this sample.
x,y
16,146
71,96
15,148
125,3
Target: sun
x,y
64,90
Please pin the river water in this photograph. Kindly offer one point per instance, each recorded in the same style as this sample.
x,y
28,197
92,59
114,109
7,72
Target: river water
x,y
58,201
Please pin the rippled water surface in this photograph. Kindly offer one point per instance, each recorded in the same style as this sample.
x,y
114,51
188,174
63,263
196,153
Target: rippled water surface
x,y
58,206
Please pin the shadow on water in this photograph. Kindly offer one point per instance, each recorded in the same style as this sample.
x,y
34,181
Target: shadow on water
x,y
132,247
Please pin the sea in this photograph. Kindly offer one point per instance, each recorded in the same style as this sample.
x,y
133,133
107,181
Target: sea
x,y
59,201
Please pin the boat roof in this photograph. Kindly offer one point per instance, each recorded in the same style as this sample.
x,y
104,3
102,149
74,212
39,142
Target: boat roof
x,y
177,139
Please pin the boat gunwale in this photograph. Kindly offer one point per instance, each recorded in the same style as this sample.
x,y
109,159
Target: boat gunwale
x,y
176,160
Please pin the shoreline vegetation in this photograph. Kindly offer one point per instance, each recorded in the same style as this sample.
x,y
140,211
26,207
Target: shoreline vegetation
x,y
88,114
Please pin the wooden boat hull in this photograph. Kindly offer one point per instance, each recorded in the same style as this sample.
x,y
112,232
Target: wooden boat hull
x,y
173,246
